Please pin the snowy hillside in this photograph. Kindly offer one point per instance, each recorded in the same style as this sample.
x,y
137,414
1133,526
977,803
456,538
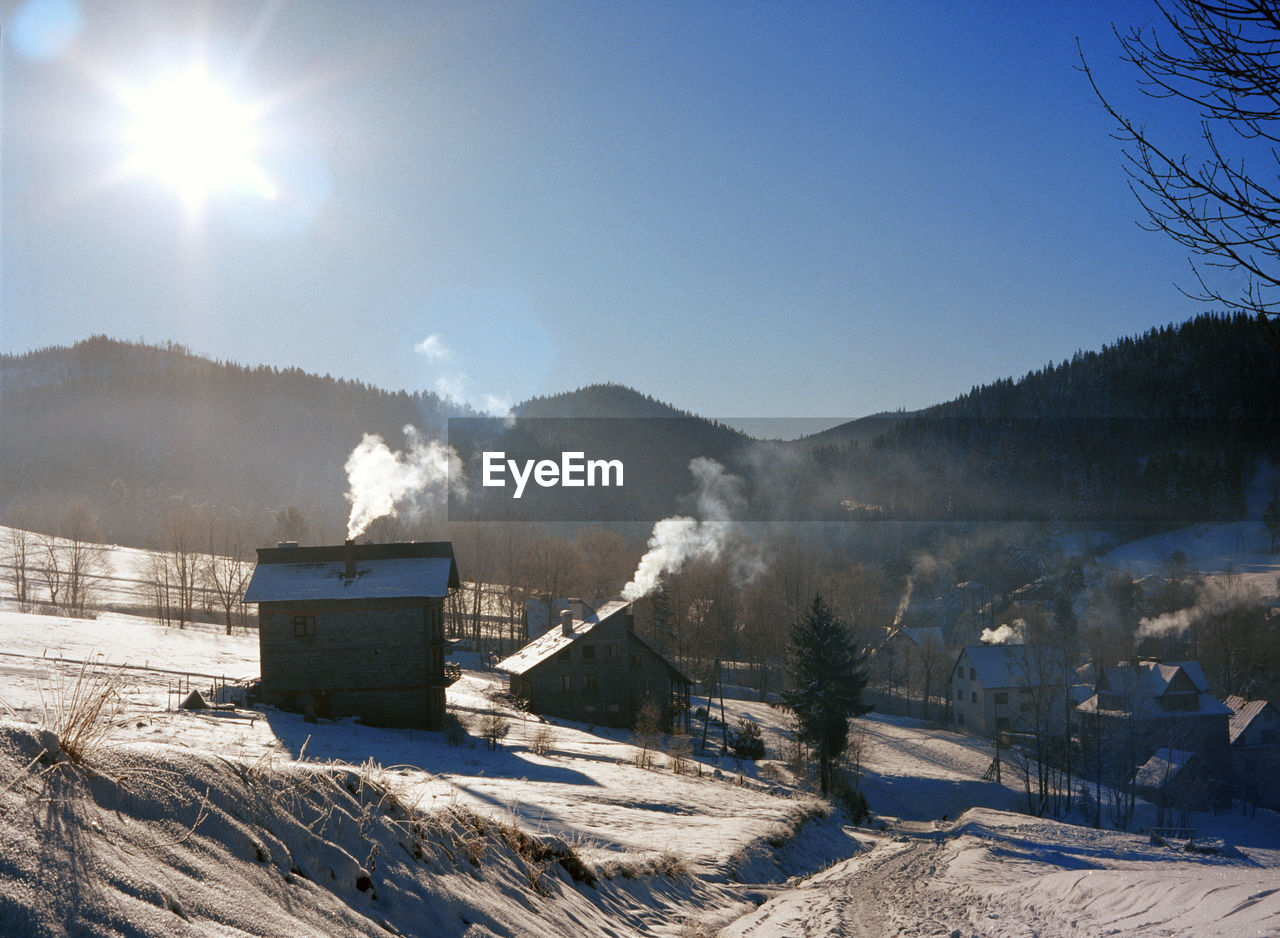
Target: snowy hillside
x,y
190,823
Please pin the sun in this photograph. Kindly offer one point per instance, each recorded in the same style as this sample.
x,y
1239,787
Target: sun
x,y
194,135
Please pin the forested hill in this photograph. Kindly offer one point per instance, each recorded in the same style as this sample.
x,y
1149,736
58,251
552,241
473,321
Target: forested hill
x,y
131,430
1165,427
1160,428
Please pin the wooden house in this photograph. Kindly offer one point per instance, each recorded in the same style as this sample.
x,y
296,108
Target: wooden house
x,y
1143,706
593,667
355,629
1254,735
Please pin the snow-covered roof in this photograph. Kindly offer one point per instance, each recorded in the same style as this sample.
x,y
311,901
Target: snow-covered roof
x,y
554,639
998,665
1163,767
378,571
1243,712
921,635
1141,685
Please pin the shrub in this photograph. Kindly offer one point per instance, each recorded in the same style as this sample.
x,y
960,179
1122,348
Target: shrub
x,y
746,742
81,713
542,740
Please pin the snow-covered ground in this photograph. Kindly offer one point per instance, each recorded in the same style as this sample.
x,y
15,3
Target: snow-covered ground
x,y
195,823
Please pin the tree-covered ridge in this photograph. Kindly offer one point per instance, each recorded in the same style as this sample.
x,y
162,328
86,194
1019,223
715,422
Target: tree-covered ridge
x,y
1167,426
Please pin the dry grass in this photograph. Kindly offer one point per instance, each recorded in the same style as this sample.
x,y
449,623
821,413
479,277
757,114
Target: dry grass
x,y
82,711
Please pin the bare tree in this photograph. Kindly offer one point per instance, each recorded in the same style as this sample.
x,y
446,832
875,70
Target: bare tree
x,y
225,570
21,555
1220,58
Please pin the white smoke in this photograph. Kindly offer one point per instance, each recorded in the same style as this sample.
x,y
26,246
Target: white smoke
x,y
1217,596
1005,635
677,540
380,480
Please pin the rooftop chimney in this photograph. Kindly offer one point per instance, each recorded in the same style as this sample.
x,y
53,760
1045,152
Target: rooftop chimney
x,y
349,559
566,621
579,607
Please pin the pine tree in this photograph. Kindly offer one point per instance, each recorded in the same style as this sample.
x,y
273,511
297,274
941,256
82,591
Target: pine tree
x,y
826,681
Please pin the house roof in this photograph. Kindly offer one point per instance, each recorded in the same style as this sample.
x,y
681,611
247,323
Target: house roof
x,y
919,635
1163,767
997,665
1147,681
554,640
415,570
1243,712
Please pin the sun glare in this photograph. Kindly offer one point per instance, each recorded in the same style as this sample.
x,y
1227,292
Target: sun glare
x,y
195,136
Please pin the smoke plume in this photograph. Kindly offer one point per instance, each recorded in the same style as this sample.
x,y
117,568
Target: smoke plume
x,y
380,480
1216,597
679,539
1005,634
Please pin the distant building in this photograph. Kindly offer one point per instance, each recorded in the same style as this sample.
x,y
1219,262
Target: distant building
x,y
593,667
1254,735
1143,706
911,663
355,630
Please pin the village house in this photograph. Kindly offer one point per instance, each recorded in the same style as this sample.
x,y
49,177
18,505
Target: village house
x,y
593,667
1143,706
910,664
1254,735
355,629
1177,782
1007,688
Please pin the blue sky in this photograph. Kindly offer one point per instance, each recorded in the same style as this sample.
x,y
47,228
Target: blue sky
x,y
745,209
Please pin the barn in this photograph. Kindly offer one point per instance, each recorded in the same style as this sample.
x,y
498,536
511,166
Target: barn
x,y
355,629
593,667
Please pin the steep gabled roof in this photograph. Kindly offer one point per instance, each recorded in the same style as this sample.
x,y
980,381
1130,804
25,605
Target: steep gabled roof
x,y
1243,712
415,570
1163,767
554,640
1140,685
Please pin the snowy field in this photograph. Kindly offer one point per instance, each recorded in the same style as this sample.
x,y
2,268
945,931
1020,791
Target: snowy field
x,y
247,823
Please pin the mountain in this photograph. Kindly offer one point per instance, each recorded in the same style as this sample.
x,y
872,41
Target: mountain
x,y
1155,429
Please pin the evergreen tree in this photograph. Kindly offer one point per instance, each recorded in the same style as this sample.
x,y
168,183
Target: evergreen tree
x,y
826,681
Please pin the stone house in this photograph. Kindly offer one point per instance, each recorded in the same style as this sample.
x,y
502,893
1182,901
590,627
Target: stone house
x,y
593,667
355,629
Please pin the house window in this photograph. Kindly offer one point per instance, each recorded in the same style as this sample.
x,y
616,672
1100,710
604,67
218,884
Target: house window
x,y
973,697
1002,698
588,652
304,625
589,709
613,708
973,675
589,683
635,661
1002,723
959,694
960,718
566,683
564,655
611,651
1025,706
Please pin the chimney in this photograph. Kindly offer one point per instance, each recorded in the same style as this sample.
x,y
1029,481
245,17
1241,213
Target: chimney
x,y
349,559
566,622
579,608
